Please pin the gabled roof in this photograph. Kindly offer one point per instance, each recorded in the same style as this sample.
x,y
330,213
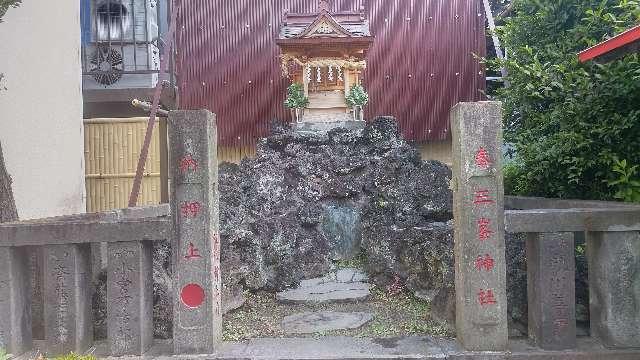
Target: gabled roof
x,y
324,25
618,46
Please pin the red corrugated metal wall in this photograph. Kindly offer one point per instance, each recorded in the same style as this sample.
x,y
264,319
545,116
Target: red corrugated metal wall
x,y
422,61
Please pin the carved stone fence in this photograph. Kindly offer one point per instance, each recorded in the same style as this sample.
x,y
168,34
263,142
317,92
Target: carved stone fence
x,y
612,232
54,256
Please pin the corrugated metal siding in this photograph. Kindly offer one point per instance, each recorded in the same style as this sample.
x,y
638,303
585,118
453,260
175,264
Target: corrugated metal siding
x,y
420,65
112,148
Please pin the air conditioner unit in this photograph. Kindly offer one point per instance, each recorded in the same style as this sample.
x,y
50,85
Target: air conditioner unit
x,y
122,50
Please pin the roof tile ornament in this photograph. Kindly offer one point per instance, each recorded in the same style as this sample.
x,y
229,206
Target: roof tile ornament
x,y
324,6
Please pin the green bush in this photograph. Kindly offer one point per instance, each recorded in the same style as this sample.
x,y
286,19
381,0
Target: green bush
x,y
357,96
4,355
295,97
569,122
74,356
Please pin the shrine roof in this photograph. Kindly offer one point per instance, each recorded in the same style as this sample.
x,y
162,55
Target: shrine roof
x,y
360,29
614,48
324,24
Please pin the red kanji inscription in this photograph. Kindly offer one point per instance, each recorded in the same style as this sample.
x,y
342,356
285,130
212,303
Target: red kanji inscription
x,y
486,297
482,197
485,262
484,229
188,163
192,252
190,209
482,159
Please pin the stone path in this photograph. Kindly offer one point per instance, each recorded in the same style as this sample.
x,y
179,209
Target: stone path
x,y
340,286
312,322
343,285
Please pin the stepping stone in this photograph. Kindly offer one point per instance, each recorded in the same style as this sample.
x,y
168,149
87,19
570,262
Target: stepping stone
x,y
347,275
351,275
327,292
313,322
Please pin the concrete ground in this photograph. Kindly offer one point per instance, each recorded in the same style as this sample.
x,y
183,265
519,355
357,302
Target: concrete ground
x,y
350,348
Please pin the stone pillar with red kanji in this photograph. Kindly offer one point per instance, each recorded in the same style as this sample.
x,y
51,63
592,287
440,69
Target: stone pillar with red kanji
x,y
480,270
197,319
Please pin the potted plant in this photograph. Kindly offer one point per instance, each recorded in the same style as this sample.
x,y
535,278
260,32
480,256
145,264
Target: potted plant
x,y
356,99
296,101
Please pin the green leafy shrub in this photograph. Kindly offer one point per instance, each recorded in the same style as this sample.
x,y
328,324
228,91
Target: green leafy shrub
x,y
627,183
4,355
357,96
74,356
295,97
568,122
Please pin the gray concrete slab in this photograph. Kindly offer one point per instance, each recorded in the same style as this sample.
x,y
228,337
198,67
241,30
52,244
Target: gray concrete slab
x,y
346,348
67,299
315,322
60,233
130,298
551,290
564,220
15,301
527,203
326,292
614,287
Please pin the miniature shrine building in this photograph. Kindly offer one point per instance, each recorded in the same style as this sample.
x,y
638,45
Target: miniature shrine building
x,y
325,52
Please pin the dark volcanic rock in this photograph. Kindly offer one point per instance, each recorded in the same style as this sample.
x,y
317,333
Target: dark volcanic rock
x,y
306,199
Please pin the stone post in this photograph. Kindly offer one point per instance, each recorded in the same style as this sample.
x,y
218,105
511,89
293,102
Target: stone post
x,y
194,204
614,287
130,298
68,324
36,264
478,201
15,301
551,290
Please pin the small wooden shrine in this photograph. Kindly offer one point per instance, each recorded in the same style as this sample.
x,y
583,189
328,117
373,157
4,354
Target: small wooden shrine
x,y
326,52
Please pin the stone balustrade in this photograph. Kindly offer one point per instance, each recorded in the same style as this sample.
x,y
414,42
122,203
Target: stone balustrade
x,y
62,252
612,233
58,251
613,250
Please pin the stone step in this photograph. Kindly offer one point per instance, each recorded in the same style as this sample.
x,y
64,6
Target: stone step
x,y
314,322
326,292
346,275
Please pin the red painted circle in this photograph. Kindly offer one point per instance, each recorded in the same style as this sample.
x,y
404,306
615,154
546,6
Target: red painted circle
x,y
192,295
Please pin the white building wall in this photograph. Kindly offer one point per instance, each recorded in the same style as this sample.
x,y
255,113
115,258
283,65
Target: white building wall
x,y
41,112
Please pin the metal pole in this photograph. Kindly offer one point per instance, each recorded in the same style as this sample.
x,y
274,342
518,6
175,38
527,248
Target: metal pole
x,y
133,199
496,40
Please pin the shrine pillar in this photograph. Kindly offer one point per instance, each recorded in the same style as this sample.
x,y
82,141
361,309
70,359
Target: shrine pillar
x,y
346,74
478,208
197,312
305,79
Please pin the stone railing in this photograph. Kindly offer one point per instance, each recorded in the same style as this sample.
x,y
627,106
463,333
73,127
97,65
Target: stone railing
x,y
612,242
612,232
54,256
